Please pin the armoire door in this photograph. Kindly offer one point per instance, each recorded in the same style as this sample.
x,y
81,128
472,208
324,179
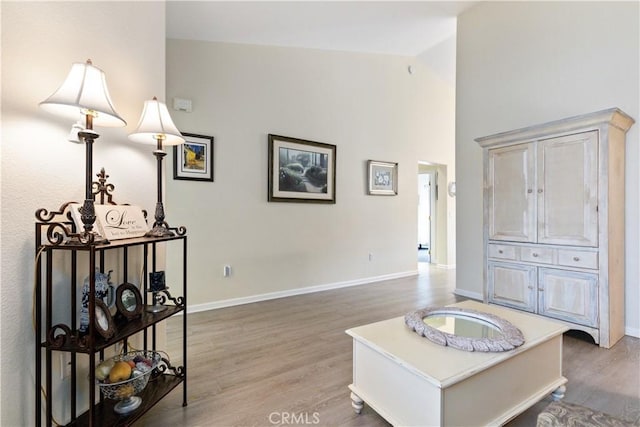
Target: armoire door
x,y
512,285
567,190
568,295
511,202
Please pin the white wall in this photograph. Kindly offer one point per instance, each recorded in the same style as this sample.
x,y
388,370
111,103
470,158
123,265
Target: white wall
x,y
367,105
525,63
40,169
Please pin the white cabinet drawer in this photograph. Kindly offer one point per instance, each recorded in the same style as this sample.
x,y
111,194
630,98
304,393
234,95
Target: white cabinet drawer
x,y
581,259
534,254
502,251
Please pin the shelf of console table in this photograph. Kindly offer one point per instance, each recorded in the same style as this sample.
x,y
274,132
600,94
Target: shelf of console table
x,y
156,389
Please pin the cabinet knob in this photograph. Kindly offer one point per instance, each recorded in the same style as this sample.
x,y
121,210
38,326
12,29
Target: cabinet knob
x,y
535,255
500,251
529,191
540,289
576,258
530,287
539,190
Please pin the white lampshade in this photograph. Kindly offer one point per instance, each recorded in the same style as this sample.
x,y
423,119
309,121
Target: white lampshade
x,y
84,92
155,123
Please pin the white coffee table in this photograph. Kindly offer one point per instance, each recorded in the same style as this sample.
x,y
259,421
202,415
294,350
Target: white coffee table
x,y
411,381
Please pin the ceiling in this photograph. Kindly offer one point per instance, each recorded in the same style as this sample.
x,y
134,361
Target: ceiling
x,y
387,27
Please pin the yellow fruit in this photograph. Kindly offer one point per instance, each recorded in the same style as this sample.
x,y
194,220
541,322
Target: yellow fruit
x,y
103,369
121,371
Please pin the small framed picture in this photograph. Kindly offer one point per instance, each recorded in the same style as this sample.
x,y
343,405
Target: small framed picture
x,y
157,281
103,320
193,160
129,301
382,178
301,171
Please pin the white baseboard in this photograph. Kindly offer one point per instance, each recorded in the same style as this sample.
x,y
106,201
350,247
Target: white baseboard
x,y
632,332
468,294
297,291
446,266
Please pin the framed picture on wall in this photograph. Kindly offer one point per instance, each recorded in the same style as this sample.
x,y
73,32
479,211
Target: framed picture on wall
x,y
193,160
301,171
382,178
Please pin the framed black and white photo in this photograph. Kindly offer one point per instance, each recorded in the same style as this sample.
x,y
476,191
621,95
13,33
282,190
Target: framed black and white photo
x,y
382,178
301,170
129,301
193,160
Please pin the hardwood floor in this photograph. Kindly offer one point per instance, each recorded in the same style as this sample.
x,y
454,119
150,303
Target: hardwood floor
x,y
288,361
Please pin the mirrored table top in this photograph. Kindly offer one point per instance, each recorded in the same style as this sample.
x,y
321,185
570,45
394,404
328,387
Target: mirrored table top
x,y
464,326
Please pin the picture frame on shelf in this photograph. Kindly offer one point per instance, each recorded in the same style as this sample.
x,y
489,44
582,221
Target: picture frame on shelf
x,y
193,160
129,301
104,324
157,281
382,178
301,171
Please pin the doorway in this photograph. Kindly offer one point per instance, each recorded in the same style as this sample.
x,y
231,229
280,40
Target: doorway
x,y
426,182
433,216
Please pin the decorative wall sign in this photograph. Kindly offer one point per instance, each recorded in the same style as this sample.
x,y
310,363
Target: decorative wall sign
x,y
301,170
114,222
121,221
193,160
382,178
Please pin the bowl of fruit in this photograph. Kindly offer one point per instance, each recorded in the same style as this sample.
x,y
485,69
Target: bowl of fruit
x,y
125,375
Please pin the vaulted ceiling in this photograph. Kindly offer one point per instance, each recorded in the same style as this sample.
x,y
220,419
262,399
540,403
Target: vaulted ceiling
x,y
388,27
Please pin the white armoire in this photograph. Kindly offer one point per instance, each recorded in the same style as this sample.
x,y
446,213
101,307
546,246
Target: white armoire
x,y
554,221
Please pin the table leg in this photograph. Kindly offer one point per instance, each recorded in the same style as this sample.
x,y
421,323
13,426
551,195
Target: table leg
x,y
357,403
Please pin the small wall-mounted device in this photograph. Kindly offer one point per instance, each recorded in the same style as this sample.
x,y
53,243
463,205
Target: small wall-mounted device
x,y
180,104
451,189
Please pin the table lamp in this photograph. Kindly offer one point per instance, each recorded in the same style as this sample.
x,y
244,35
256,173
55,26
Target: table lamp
x,y
157,128
84,94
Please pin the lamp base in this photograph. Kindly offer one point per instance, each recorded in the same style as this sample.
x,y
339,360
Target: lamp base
x,y
160,231
85,238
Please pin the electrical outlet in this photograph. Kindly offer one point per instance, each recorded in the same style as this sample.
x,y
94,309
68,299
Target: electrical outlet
x,y
370,257
226,272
